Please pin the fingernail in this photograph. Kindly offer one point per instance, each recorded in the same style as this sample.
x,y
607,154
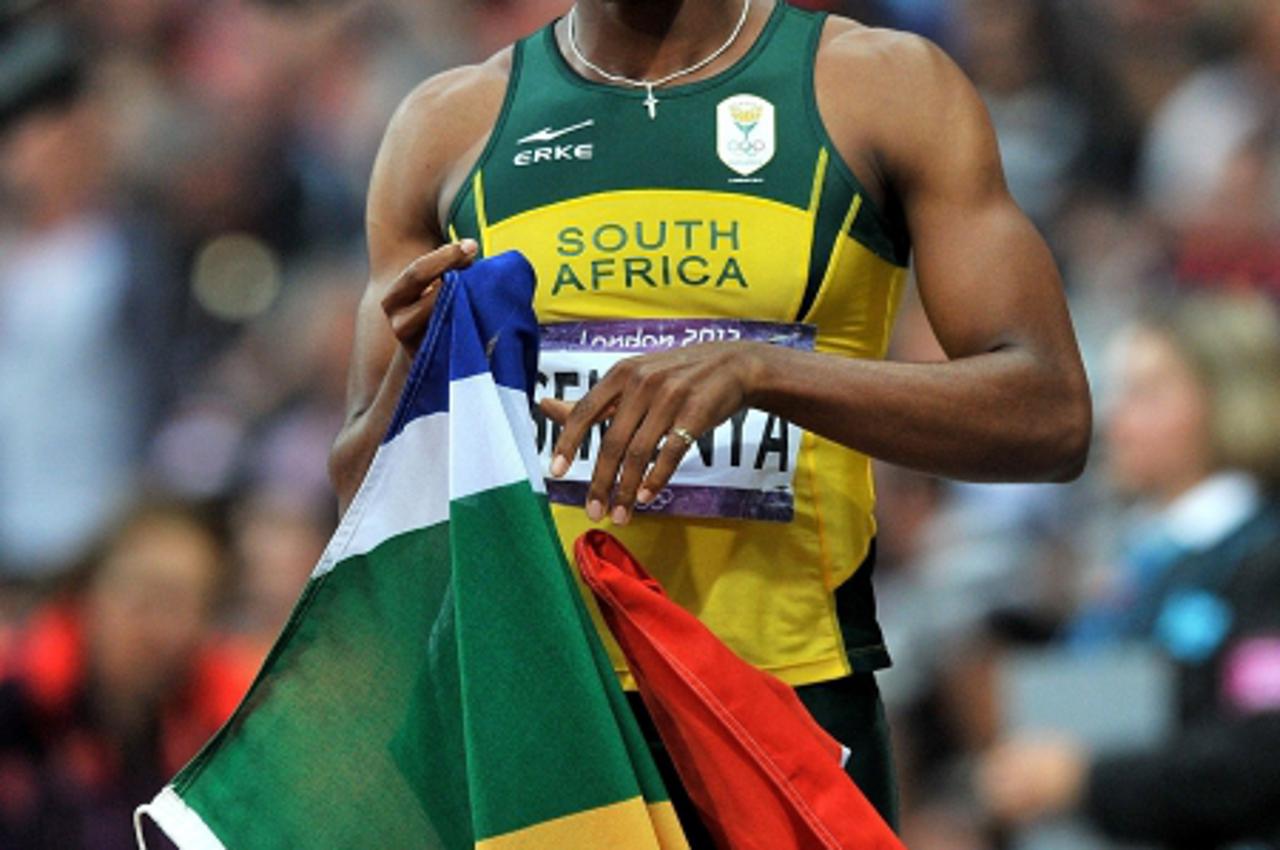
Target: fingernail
x,y
469,246
620,515
559,466
595,510
644,497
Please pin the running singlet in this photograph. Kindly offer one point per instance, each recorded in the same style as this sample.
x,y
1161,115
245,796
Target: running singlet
x,y
729,215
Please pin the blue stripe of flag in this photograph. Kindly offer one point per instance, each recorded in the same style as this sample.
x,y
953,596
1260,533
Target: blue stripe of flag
x,y
483,321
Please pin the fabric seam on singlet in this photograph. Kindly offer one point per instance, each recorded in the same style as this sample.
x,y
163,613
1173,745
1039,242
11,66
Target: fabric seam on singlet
x,y
802,303
824,136
833,261
482,213
824,559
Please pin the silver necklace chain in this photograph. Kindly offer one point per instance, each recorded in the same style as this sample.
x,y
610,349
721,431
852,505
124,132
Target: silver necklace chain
x,y
651,101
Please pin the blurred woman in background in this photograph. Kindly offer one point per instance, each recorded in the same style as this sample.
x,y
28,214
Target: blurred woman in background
x,y
112,687
1194,437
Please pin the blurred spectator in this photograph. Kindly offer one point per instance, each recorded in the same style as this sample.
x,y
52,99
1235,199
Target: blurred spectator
x,y
74,401
1193,437
1211,166
1008,48
952,554
930,18
114,684
265,410
1213,115
278,536
500,22
1126,56
181,252
961,568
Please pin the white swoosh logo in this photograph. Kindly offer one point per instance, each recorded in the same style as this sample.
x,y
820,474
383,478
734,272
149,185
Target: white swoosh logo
x,y
546,134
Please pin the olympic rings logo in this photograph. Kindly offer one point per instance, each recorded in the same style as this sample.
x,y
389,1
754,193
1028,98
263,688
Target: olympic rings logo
x,y
660,502
750,147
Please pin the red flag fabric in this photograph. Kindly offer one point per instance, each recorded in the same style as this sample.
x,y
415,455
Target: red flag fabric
x,y
763,774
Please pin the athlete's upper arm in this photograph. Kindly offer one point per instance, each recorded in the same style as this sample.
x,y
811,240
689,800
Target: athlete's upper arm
x,y
428,139
985,275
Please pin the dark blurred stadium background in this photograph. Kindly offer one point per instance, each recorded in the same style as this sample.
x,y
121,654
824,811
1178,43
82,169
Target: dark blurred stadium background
x,y
181,252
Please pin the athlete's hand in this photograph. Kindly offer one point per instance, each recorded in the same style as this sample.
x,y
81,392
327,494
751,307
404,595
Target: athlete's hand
x,y
409,300
646,398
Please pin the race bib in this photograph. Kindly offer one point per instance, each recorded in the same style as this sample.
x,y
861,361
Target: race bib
x,y
742,469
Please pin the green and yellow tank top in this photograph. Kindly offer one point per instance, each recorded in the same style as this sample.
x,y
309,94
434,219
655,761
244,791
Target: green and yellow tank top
x,y
722,212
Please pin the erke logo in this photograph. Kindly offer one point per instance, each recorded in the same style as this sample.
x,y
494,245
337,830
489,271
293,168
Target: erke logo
x,y
745,133
555,152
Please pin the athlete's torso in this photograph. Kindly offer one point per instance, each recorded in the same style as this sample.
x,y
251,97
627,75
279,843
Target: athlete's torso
x,y
728,215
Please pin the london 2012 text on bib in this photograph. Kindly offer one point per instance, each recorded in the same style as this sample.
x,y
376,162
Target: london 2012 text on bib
x,y
742,469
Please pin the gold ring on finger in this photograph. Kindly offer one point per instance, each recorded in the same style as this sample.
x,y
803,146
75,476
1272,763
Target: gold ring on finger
x,y
684,434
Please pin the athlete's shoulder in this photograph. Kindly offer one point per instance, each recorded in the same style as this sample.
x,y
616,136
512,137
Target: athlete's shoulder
x,y
909,62
456,95
895,94
428,138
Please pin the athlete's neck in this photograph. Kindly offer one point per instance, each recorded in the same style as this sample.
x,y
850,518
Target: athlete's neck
x,y
649,39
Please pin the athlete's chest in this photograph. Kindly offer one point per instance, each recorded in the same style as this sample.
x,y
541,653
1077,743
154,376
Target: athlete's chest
x,y
720,200
704,210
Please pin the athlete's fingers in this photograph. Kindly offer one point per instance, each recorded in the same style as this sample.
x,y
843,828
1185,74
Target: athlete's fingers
x,y
613,449
600,403
558,410
409,323
412,283
555,409
673,449
666,402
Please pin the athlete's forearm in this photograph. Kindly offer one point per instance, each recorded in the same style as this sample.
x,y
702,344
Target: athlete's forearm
x,y
1002,415
356,444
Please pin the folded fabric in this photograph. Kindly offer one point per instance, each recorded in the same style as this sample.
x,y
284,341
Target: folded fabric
x,y
763,774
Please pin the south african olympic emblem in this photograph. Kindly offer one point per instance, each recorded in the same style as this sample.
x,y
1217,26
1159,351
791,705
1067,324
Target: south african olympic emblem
x,y
745,133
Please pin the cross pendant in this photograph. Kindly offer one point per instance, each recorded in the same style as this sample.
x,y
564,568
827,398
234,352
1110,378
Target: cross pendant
x,y
651,103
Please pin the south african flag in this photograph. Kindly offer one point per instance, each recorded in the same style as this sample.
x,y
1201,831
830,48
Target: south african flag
x,y
440,684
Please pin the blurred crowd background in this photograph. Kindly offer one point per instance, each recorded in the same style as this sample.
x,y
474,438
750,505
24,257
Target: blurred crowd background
x,y
181,254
